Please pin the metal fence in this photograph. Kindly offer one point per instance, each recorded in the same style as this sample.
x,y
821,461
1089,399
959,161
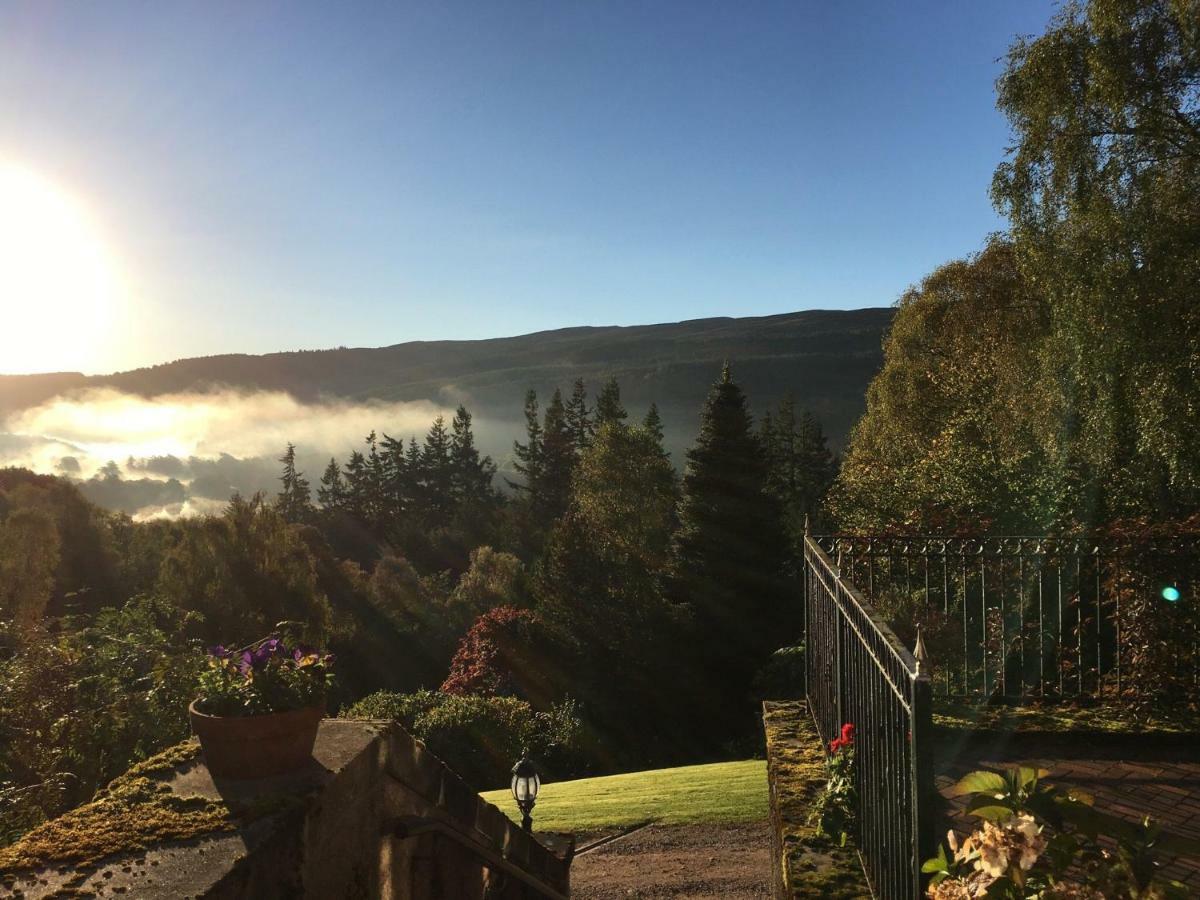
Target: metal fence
x,y
858,671
1027,617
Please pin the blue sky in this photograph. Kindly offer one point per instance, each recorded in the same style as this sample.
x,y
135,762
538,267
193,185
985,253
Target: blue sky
x,y
277,176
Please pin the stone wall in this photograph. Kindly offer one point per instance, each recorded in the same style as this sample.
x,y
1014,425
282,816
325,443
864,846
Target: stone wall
x,y
375,815
804,862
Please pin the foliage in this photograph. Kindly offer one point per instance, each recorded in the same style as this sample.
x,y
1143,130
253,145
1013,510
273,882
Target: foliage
x,y
953,432
481,737
493,658
265,677
79,706
1158,636
783,676
1039,841
728,557
1101,194
243,572
800,468
835,810
598,588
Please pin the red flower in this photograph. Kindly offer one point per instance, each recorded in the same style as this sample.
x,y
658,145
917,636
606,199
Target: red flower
x,y
848,733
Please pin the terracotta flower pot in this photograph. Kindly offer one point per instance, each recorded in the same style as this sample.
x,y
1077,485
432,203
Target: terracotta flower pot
x,y
256,746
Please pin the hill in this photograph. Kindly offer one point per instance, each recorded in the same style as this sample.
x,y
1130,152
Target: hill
x,y
826,358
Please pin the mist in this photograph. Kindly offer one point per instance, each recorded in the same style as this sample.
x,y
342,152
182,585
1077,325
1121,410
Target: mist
x,y
186,453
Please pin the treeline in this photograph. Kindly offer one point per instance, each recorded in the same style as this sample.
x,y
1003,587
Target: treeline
x,y
600,609
1052,382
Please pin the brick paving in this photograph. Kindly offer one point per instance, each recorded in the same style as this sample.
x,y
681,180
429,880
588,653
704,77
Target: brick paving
x,y
1128,777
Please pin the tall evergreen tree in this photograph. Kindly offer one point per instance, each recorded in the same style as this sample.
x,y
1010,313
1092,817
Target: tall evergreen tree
x,y
528,456
471,475
395,477
608,405
295,500
358,487
558,461
653,425
728,555
332,492
415,493
800,468
579,418
437,469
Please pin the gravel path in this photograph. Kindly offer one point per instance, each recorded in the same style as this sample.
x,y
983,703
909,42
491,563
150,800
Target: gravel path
x,y
678,861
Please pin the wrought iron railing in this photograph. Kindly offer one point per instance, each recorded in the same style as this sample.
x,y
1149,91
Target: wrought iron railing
x,y
1021,617
858,671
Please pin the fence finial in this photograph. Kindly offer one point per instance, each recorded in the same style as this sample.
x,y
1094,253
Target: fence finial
x,y
920,652
807,530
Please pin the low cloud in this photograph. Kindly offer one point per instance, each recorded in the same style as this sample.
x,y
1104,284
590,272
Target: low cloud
x,y
186,453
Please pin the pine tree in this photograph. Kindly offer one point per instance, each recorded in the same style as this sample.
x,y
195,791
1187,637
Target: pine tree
x,y
528,456
358,488
608,405
376,486
471,475
295,500
729,553
436,466
800,468
414,480
558,461
395,477
332,492
653,424
579,420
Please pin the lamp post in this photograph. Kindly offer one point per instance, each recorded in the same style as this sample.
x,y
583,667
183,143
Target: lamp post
x,y
525,784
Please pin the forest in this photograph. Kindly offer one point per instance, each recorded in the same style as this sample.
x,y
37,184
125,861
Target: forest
x,y
491,618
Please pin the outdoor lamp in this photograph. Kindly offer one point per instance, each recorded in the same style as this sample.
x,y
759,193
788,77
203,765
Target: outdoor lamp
x,y
525,784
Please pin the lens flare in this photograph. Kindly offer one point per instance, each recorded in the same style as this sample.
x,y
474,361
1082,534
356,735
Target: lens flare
x,y
1171,593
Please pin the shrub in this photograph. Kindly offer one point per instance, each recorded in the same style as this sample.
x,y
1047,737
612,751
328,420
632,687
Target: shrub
x,y
482,737
1038,841
782,678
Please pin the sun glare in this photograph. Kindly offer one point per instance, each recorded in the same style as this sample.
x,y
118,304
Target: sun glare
x,y
58,284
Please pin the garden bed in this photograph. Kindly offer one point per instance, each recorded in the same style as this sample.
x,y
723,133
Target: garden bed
x,y
805,862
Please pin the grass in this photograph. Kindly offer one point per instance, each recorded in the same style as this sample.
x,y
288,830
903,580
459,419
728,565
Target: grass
x,y
718,793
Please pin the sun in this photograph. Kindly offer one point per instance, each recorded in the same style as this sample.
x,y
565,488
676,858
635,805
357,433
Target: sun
x,y
58,282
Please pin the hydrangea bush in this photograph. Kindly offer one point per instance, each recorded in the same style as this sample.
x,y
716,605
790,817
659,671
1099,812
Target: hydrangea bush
x,y
1037,841
265,677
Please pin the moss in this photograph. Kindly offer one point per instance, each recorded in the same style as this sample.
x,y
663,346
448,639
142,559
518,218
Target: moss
x,y
813,865
1058,718
135,812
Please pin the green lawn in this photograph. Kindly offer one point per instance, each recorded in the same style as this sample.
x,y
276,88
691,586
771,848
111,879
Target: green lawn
x,y
716,793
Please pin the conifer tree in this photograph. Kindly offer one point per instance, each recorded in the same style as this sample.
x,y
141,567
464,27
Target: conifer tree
x,y
729,553
332,492
395,472
800,467
608,405
471,475
653,425
528,456
295,500
579,419
358,487
436,468
414,479
558,461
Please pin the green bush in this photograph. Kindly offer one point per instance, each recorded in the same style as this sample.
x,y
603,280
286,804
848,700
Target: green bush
x,y
482,737
782,678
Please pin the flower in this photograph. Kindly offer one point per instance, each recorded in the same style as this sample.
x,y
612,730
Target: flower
x,y
848,733
219,652
1017,841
